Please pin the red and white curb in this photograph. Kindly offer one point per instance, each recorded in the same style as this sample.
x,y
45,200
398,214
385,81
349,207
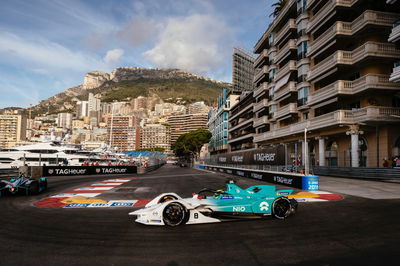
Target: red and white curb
x,y
316,196
84,197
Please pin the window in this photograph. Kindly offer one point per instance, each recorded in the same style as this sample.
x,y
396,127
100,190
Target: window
x,y
271,93
301,6
302,72
301,27
271,39
302,96
306,116
271,74
302,50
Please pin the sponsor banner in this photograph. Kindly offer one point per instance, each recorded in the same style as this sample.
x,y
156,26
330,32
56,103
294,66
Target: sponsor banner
x,y
88,170
265,156
271,177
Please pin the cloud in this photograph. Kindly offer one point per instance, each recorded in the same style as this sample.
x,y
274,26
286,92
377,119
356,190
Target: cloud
x,y
43,54
113,56
196,43
138,31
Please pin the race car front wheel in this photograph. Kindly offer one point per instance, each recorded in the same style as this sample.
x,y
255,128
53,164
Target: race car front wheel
x,y
33,188
281,208
174,214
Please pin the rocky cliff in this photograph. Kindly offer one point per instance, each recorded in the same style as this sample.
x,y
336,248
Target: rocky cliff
x,y
130,82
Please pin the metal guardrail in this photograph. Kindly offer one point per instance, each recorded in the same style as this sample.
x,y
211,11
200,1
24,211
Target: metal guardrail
x,y
12,172
359,172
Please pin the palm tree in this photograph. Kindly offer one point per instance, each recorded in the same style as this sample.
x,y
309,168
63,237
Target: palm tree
x,y
278,7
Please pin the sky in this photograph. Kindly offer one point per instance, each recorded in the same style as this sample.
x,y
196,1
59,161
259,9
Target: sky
x,y
47,46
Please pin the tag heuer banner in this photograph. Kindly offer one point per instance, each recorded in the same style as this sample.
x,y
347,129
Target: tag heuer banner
x,y
87,170
269,156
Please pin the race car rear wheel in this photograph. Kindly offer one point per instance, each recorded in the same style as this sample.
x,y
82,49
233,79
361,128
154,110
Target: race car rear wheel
x,y
174,214
33,188
281,208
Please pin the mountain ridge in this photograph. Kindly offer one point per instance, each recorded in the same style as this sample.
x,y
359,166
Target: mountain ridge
x,y
130,82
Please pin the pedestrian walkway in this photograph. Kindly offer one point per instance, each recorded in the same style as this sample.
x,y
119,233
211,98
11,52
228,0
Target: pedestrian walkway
x,y
360,188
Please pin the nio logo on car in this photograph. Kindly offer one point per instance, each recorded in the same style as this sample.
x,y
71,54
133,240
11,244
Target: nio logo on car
x,y
239,209
264,206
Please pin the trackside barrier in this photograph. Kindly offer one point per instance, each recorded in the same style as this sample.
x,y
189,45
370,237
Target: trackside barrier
x,y
374,173
310,183
39,171
143,170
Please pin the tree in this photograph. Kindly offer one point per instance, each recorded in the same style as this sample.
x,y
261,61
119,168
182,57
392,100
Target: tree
x,y
191,143
278,7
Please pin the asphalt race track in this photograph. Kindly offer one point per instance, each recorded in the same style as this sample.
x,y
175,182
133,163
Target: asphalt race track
x,y
352,231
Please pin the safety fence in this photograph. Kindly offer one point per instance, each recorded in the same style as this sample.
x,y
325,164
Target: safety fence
x,y
359,172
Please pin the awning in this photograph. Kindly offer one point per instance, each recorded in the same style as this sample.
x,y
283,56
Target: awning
x,y
280,83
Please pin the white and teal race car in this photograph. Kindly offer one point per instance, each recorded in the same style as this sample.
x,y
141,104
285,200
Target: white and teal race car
x,y
210,206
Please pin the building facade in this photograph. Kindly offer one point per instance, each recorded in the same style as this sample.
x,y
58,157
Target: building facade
x,y
12,130
324,67
181,124
64,120
155,136
242,71
241,128
218,122
119,128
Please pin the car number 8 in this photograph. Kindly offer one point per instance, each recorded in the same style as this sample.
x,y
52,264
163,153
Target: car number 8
x,y
196,216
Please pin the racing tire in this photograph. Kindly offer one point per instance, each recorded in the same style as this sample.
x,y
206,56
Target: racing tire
x,y
167,198
33,188
174,214
281,208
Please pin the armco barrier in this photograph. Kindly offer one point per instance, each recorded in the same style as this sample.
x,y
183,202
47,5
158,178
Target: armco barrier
x,y
310,183
87,170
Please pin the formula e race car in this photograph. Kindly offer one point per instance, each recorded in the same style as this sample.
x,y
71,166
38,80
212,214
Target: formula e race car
x,y
22,185
210,206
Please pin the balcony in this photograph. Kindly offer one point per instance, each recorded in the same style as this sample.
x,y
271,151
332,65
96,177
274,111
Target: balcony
x,y
344,87
260,121
374,49
290,66
285,91
257,106
242,122
350,28
286,110
395,35
263,87
325,13
285,51
260,58
261,74
336,118
283,12
241,137
291,24
395,76
242,111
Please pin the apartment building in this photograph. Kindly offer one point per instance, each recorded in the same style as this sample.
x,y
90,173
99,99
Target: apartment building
x,y
241,129
325,66
119,128
12,130
155,136
181,124
242,71
394,37
64,120
218,122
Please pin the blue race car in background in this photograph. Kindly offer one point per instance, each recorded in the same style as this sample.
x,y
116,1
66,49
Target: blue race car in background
x,y
209,206
22,185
